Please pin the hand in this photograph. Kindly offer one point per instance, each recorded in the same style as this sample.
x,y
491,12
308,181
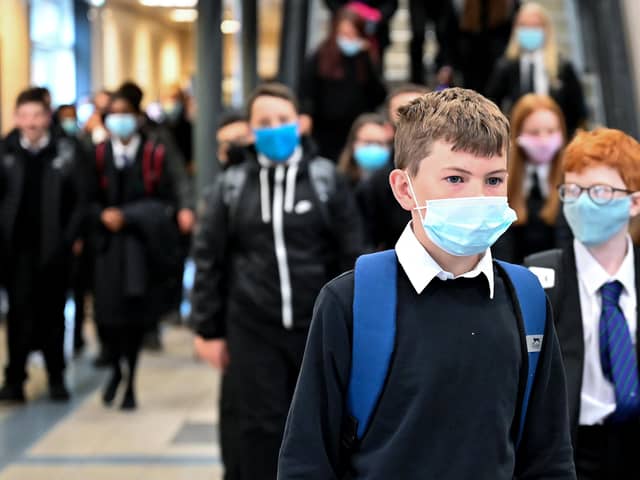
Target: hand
x,y
186,220
77,247
214,352
113,219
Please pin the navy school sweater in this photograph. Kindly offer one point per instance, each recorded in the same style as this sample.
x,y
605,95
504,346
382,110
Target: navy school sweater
x,y
450,406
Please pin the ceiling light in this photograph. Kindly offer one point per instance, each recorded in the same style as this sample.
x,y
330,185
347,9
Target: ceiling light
x,y
169,3
230,26
184,15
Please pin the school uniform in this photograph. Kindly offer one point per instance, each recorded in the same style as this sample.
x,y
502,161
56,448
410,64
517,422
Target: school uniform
x,y
132,265
535,235
41,213
450,405
605,447
384,218
513,78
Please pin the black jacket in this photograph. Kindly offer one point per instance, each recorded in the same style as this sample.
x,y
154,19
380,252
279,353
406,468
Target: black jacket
x,y
262,258
384,218
335,103
505,89
565,299
62,206
128,265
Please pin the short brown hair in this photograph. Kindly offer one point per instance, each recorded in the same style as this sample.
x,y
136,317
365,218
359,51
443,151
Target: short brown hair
x,y
462,117
272,89
608,148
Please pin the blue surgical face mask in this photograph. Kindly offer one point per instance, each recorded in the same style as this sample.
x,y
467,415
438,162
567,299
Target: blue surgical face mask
x,y
530,38
277,143
70,126
121,125
372,157
465,226
348,46
594,224
172,110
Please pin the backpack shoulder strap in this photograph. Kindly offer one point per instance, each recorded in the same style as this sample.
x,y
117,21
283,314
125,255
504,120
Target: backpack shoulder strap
x,y
323,177
374,332
533,307
147,167
234,179
100,167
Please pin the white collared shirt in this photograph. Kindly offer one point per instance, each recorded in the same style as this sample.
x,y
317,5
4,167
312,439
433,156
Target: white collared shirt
x,y
120,150
540,77
598,399
542,172
37,146
421,268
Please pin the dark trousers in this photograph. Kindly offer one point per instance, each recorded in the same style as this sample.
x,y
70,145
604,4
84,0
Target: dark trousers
x,y
36,317
440,12
262,374
608,452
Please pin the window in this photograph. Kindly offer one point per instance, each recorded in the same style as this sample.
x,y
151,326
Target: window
x,y
52,35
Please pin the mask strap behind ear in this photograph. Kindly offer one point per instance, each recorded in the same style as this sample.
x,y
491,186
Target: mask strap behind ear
x,y
413,194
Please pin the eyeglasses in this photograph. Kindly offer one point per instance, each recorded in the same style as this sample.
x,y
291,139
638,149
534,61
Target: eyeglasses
x,y
599,194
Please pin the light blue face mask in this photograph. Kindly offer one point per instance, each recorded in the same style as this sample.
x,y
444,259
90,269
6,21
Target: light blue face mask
x,y
121,125
372,157
594,224
277,143
349,47
70,126
530,38
465,226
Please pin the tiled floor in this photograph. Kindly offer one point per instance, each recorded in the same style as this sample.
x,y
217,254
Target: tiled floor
x,y
172,435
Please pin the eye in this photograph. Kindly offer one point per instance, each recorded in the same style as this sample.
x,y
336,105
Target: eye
x,y
495,181
454,179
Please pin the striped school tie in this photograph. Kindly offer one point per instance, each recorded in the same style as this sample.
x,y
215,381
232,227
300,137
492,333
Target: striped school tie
x,y
618,356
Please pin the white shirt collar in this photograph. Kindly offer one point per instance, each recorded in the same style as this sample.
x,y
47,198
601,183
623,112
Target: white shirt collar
x,y
542,171
593,276
37,146
541,80
421,268
120,150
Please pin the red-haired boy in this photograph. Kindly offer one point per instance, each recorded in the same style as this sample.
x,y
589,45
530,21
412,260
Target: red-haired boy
x,y
593,287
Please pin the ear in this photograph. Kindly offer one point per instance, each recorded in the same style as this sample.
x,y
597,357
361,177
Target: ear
x,y
401,190
635,204
305,124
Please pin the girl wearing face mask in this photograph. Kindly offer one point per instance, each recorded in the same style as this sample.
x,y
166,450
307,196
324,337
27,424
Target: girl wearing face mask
x,y
340,81
368,148
538,136
532,64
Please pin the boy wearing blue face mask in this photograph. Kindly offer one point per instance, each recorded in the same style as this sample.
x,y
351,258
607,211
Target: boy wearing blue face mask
x,y
274,228
593,286
453,392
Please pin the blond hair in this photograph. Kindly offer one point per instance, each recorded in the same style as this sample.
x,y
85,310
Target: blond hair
x,y
550,49
461,117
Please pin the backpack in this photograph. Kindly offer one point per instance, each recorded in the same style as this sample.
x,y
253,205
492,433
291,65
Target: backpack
x,y
322,173
152,165
374,331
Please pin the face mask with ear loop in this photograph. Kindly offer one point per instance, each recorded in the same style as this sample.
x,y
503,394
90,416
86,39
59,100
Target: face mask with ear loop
x,y
466,226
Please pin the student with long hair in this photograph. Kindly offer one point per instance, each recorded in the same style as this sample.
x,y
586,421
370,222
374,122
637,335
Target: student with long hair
x,y
532,64
368,148
538,134
339,82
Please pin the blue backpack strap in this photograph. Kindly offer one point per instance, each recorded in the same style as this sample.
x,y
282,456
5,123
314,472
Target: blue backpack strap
x,y
533,307
374,333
